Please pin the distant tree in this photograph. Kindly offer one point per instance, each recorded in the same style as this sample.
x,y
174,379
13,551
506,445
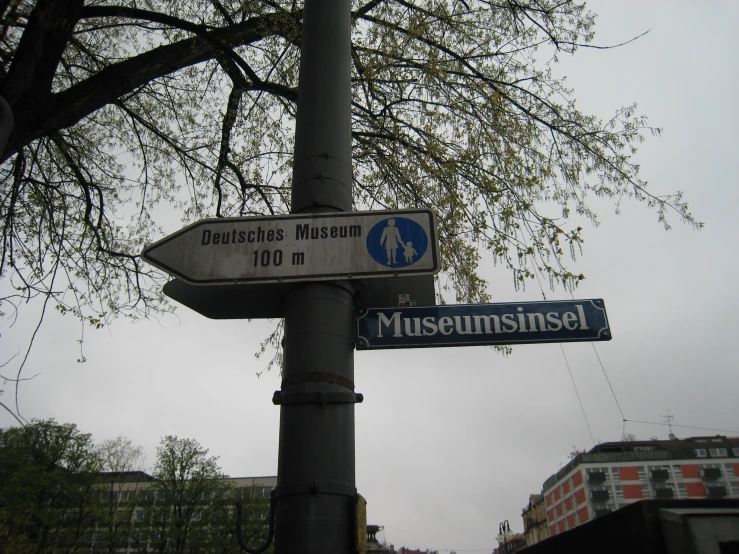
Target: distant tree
x,y
47,492
220,520
60,493
575,452
126,108
118,498
628,437
187,481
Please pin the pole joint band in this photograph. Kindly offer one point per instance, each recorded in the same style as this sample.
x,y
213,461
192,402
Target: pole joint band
x,y
281,398
318,377
314,487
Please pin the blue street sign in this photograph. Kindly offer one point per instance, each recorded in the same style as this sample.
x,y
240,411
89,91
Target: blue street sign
x,y
397,242
471,325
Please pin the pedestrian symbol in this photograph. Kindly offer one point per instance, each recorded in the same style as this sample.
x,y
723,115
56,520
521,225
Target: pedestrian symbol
x,y
397,242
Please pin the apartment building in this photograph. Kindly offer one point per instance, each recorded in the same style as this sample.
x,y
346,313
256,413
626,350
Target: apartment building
x,y
138,509
615,474
534,515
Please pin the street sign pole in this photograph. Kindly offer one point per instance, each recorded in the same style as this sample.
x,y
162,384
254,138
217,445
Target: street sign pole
x,y
316,491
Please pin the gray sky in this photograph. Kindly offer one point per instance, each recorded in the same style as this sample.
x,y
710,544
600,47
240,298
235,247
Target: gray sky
x,y
450,442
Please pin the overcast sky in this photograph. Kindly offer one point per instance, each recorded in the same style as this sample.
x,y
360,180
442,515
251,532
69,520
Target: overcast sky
x,y
450,442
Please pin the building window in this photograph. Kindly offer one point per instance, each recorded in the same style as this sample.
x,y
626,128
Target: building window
x,y
701,452
717,440
682,490
735,451
600,493
734,488
663,490
659,472
677,472
615,475
641,472
730,470
715,490
718,452
645,491
138,538
619,490
711,471
597,474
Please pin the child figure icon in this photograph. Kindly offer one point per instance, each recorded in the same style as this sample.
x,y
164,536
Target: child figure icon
x,y
408,252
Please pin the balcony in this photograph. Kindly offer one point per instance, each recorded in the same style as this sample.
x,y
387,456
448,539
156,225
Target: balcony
x,y
600,496
710,473
659,474
664,493
597,477
601,511
715,492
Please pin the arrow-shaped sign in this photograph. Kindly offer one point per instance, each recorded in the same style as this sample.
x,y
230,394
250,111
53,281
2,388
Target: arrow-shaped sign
x,y
300,248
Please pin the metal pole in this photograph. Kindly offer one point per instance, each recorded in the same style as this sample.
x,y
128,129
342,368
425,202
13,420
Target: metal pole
x,y
316,491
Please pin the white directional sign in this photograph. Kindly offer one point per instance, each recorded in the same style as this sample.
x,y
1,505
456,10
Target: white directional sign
x,y
300,248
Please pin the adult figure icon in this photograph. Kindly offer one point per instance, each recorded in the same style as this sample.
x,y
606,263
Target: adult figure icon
x,y
391,239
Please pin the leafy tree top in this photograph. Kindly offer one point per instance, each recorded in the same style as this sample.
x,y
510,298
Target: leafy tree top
x,y
127,112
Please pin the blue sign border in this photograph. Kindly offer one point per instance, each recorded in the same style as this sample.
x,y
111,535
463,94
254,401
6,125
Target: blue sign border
x,y
485,324
404,228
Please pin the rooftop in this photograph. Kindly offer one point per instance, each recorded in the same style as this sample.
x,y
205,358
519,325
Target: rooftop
x,y
650,450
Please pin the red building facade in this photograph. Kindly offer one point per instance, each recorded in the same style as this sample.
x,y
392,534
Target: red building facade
x,y
615,474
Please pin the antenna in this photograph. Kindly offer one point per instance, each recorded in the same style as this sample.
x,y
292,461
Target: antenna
x,y
668,417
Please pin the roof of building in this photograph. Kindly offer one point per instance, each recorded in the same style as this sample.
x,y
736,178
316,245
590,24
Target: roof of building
x,y
142,476
534,499
125,476
716,441
650,450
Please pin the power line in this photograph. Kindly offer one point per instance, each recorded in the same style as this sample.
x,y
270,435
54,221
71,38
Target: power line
x,y
608,380
577,393
567,363
623,417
